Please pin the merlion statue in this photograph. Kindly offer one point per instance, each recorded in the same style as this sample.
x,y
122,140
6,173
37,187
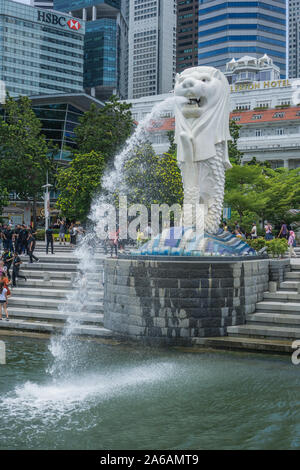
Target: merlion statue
x,y
201,134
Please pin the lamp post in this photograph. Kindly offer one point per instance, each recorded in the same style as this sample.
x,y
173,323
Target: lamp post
x,y
47,203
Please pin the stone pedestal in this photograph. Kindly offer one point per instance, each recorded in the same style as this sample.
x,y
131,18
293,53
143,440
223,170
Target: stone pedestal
x,y
171,301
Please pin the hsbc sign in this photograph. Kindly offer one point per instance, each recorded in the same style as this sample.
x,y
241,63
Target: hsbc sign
x,y
52,18
74,24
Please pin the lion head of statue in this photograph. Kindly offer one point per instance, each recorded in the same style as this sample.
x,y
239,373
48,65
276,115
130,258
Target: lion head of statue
x,y
202,111
200,88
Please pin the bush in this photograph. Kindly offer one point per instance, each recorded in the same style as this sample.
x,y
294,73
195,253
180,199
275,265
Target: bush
x,y
277,246
257,243
40,235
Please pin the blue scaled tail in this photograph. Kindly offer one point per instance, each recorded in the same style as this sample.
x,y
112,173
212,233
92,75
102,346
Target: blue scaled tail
x,y
185,241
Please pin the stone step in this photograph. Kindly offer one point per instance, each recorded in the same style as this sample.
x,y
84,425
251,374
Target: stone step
x,y
245,344
51,259
289,285
278,307
53,315
47,327
33,302
39,274
48,293
66,285
277,319
67,267
270,331
292,276
58,275
282,296
63,259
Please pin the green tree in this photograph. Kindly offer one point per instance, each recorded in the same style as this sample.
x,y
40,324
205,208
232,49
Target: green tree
x,y
3,197
79,183
235,155
153,179
245,193
257,192
105,130
24,153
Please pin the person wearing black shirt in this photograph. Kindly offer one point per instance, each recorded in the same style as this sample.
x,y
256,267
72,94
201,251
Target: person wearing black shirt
x,y
16,238
23,235
49,239
16,267
31,246
8,233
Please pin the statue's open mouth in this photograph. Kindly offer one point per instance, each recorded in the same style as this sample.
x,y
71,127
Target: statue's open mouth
x,y
196,102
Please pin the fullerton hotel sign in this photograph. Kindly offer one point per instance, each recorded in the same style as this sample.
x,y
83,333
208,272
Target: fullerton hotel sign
x,y
260,85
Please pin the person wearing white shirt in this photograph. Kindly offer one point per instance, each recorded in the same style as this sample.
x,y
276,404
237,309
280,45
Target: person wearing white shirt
x,y
3,301
254,231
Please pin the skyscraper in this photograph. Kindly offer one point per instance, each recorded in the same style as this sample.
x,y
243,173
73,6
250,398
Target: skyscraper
x,y
187,34
46,4
106,44
234,29
41,52
294,38
152,47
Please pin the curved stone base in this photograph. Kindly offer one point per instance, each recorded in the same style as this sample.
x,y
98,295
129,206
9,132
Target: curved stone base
x,y
185,241
169,302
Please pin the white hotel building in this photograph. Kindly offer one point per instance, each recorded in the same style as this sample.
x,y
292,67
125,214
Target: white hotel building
x,y
264,105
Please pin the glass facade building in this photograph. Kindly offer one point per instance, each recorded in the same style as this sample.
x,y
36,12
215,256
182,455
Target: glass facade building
x,y
40,54
187,34
234,29
294,38
106,44
152,47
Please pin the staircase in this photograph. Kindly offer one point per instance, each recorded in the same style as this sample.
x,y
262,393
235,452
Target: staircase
x,y
278,315
35,304
273,326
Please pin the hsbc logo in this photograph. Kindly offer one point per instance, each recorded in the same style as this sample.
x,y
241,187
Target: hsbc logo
x,y
54,19
74,24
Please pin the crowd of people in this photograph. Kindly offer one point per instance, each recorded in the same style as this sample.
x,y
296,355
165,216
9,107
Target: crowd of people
x,y
21,240
285,231
14,242
74,229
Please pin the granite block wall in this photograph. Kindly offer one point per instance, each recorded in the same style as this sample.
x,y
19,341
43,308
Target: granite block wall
x,y
165,301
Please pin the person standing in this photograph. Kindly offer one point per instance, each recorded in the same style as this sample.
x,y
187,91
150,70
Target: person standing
x,y
292,244
73,234
3,301
283,231
8,234
254,231
6,283
62,232
49,239
23,240
31,247
268,230
16,267
113,242
79,232
17,232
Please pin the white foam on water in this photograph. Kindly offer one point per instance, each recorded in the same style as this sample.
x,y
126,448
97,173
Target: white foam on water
x,y
48,402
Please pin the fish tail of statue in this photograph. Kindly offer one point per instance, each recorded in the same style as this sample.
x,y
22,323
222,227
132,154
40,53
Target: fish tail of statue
x,y
215,206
